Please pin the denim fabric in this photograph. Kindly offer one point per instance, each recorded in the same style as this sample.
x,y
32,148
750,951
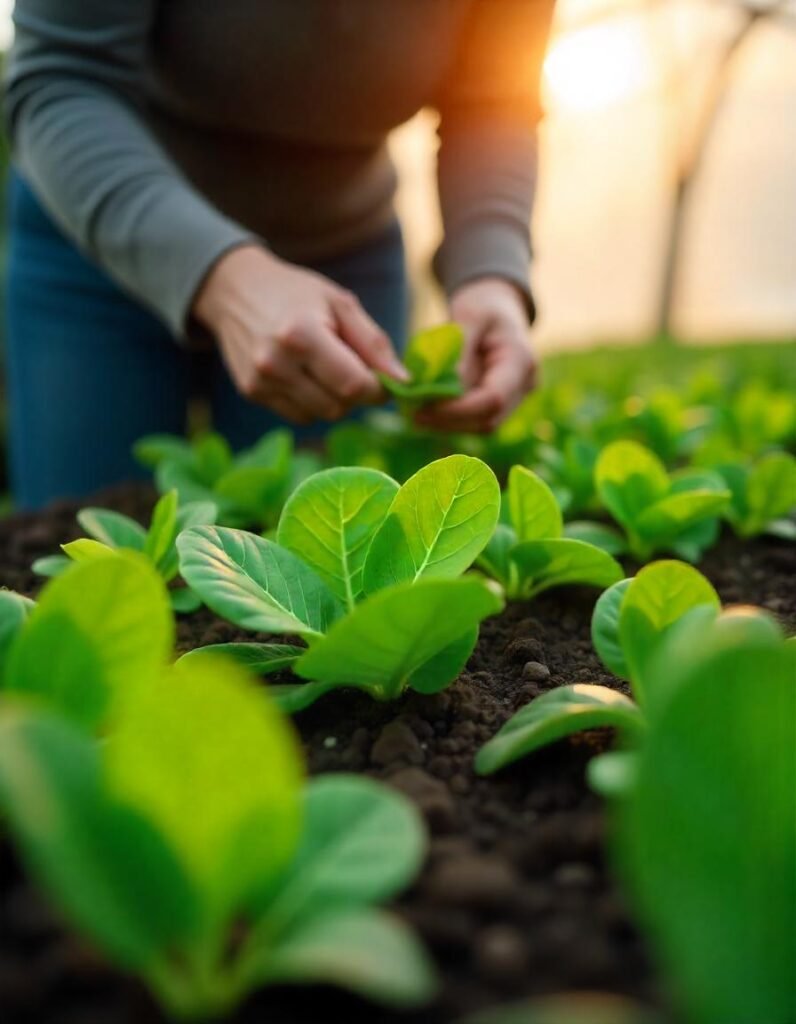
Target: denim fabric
x,y
90,371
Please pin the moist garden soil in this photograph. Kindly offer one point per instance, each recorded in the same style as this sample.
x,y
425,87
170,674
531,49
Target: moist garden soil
x,y
516,899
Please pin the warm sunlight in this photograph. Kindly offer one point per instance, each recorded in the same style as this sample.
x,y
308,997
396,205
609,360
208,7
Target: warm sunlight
x,y
596,66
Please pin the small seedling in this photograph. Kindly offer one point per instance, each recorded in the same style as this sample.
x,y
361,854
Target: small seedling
x,y
763,495
273,882
529,553
365,572
111,531
432,360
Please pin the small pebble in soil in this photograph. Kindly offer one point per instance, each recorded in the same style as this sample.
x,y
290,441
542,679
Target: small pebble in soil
x,y
535,671
575,875
431,795
330,742
397,742
525,649
479,881
501,953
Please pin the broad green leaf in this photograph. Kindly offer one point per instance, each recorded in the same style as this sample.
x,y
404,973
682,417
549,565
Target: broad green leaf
x,y
273,451
362,843
117,603
629,477
495,559
439,671
255,583
658,596
692,542
432,359
770,490
163,529
533,509
716,766
56,665
253,493
605,629
613,774
183,477
52,565
259,659
667,518
156,448
193,513
598,534
206,732
586,1008
388,638
554,715
14,612
112,528
366,951
103,864
212,457
86,550
330,520
542,564
438,524
184,601
291,698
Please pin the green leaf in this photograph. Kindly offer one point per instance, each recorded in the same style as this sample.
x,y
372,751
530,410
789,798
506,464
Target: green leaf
x,y
156,448
629,478
259,659
613,774
770,491
554,715
533,509
432,359
542,564
112,528
255,583
365,951
116,605
438,524
605,629
362,843
52,565
182,477
163,529
206,731
103,864
86,550
388,638
664,520
598,534
14,612
193,513
658,596
184,601
725,738
495,559
330,520
212,457
439,671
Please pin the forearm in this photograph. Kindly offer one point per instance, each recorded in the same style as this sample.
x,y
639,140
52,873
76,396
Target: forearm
x,y
80,139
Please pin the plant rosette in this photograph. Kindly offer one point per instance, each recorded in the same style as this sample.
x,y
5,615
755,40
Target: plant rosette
x,y
763,496
658,511
248,488
631,626
530,552
110,531
367,573
432,361
274,882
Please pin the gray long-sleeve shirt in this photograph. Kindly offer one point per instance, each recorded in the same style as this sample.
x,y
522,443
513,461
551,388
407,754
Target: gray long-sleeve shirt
x,y
161,133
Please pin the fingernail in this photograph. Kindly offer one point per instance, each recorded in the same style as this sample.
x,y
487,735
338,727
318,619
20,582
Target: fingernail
x,y
399,371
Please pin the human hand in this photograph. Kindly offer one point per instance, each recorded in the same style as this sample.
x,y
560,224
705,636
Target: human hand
x,y
498,367
292,340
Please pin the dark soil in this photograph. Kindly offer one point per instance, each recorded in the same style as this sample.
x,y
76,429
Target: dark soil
x,y
515,899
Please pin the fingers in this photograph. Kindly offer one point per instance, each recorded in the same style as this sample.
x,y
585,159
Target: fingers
x,y
365,337
333,365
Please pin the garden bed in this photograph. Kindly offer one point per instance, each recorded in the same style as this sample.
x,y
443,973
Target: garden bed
x,y
516,898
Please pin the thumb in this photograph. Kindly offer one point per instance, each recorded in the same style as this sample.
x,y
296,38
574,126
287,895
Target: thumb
x,y
366,338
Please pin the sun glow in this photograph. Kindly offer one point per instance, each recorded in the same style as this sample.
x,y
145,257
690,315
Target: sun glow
x,y
597,66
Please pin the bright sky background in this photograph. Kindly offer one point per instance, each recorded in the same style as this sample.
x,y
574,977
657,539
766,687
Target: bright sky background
x,y
608,152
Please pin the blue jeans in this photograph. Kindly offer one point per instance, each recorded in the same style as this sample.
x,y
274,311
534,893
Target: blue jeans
x,y
90,370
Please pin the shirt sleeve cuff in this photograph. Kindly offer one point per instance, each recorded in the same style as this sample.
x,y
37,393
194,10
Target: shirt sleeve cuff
x,y
486,249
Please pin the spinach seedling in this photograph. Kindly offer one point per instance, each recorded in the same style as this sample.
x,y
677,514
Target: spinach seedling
x,y
248,489
365,573
432,360
111,531
659,512
763,495
631,623
529,553
705,840
93,634
274,882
